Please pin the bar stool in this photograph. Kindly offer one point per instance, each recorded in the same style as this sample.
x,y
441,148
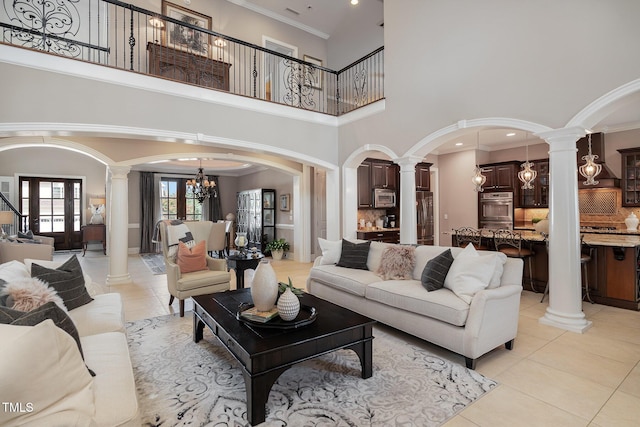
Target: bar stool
x,y
585,258
510,243
586,254
466,235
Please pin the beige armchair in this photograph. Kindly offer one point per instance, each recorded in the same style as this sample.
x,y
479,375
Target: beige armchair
x,y
185,285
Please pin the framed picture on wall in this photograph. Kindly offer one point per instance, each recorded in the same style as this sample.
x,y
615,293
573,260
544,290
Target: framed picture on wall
x,y
284,202
313,76
182,37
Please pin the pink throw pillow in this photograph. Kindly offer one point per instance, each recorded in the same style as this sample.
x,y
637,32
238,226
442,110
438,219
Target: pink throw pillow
x,y
192,259
29,294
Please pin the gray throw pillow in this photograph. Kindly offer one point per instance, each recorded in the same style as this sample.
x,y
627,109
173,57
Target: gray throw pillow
x,y
354,255
3,298
436,271
67,280
46,311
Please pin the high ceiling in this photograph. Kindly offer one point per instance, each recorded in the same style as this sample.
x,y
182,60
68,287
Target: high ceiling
x,y
322,18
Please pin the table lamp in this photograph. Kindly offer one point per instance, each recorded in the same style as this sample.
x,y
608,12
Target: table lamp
x,y
96,205
6,218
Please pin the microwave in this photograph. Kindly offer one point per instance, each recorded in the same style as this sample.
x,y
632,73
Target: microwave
x,y
384,198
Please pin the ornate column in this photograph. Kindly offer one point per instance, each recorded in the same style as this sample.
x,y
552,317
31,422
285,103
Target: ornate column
x,y
565,289
408,217
118,226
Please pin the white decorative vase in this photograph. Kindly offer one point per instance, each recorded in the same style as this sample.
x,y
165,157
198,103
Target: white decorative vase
x,y
632,222
264,288
288,305
277,254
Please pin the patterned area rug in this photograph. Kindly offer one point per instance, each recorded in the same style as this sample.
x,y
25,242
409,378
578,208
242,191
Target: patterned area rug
x,y
154,262
181,383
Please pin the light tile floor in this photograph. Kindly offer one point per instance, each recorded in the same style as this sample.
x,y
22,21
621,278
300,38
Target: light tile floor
x,y
550,378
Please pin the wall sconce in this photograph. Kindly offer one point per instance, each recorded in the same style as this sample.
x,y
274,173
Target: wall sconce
x,y
96,205
156,22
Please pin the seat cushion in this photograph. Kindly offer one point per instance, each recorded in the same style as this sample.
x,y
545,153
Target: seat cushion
x,y
349,280
114,385
200,279
410,295
104,314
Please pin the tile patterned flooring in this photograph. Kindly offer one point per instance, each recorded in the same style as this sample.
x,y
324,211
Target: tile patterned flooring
x,y
551,377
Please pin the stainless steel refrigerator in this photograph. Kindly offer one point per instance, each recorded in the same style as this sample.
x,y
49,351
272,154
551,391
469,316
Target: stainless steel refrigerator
x,y
424,202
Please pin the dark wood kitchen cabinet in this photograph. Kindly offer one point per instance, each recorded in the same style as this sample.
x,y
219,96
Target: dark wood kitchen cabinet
x,y
386,236
423,176
364,185
384,174
376,173
500,176
630,177
188,67
538,196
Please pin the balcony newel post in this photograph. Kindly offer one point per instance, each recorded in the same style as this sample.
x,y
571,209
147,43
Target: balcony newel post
x,y
255,72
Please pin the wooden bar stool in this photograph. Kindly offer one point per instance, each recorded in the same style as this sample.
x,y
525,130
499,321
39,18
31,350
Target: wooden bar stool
x,y
510,243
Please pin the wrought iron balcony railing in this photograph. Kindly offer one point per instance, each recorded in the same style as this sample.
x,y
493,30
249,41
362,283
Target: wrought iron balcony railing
x,y
177,47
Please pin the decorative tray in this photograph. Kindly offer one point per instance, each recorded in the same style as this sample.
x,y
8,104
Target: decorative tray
x,y
306,316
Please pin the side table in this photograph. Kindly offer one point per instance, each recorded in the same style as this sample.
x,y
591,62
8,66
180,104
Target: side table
x,y
94,232
240,263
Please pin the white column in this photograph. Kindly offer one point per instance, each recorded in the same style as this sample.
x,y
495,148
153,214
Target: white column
x,y
408,216
565,289
301,215
119,226
332,207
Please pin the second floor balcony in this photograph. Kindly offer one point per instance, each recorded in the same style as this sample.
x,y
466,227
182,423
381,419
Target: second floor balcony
x,y
180,45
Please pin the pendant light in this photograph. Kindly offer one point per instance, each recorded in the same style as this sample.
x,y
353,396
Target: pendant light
x,y
527,175
478,179
590,169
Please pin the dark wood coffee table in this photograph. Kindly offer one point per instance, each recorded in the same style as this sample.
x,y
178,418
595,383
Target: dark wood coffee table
x,y
264,354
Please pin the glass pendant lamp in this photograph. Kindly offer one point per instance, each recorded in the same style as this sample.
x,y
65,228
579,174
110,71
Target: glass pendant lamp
x,y
590,169
527,175
478,179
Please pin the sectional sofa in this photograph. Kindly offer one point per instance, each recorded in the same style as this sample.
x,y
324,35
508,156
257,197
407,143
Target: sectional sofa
x,y
43,376
486,320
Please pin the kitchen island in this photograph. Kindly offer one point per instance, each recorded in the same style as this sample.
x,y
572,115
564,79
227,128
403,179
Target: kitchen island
x,y
614,270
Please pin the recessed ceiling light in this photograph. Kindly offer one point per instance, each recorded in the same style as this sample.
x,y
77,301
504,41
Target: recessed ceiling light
x,y
458,144
511,134
354,2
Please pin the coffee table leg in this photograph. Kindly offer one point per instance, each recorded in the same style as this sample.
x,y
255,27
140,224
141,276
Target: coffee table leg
x,y
198,328
258,389
364,350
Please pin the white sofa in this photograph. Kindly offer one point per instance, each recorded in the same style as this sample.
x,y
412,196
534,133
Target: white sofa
x,y
440,317
41,367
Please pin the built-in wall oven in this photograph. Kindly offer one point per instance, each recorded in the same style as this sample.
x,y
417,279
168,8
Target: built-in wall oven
x,y
496,210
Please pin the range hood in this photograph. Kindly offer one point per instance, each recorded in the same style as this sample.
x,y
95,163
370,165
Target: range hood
x,y
606,178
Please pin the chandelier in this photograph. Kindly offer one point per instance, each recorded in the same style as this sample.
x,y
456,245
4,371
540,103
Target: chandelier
x,y
527,175
478,179
201,187
590,169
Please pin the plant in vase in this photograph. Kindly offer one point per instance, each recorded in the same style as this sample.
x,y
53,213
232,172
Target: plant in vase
x,y
277,248
288,302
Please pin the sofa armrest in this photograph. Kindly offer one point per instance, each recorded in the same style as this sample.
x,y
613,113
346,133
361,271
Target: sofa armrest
x,y
493,319
45,240
216,264
10,251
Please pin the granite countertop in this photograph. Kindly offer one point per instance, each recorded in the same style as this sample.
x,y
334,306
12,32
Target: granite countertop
x,y
620,238
376,230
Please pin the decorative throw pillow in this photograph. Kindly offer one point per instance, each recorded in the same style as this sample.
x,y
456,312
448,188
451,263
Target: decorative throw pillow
x,y
192,259
397,262
470,273
67,280
354,255
331,251
47,311
29,294
26,235
436,270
